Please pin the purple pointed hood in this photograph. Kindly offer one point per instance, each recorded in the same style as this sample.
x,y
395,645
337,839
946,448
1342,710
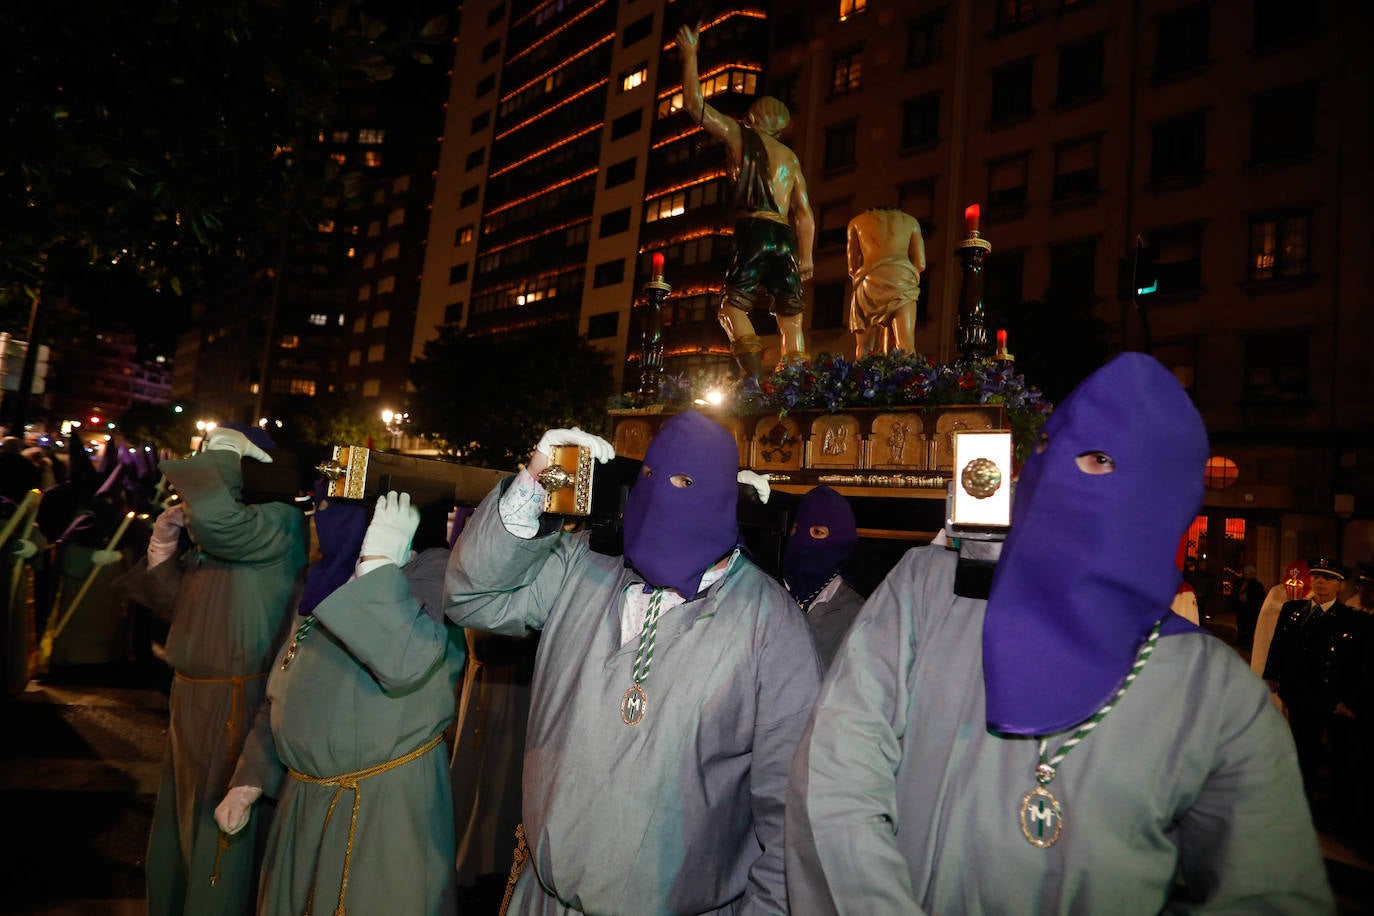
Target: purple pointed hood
x,y
339,529
673,534
809,562
1088,565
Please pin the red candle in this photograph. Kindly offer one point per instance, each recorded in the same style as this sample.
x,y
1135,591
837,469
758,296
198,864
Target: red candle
x,y
1001,341
971,218
658,265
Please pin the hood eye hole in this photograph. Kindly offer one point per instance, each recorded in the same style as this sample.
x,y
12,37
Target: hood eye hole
x,y
646,471
820,532
681,481
1096,463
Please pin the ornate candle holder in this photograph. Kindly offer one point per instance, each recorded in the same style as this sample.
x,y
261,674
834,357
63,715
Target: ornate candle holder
x,y
972,337
651,333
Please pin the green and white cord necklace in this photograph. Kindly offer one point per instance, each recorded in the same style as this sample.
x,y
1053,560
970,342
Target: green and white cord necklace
x,y
634,704
1041,814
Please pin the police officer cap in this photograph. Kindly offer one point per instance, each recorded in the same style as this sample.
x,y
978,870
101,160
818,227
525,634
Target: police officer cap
x,y
1366,576
1326,566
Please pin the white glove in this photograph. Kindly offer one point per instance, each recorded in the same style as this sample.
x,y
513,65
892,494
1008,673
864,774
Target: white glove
x,y
162,546
602,450
105,557
232,812
758,481
231,440
24,548
388,537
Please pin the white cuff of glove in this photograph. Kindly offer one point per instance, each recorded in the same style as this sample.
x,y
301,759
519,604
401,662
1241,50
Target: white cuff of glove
x,y
389,535
758,481
232,812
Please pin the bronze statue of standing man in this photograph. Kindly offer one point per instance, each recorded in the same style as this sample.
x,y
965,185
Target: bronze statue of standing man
x,y
774,230
886,258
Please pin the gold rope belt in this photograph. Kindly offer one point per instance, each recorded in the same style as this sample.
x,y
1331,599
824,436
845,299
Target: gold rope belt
x,y
238,707
350,781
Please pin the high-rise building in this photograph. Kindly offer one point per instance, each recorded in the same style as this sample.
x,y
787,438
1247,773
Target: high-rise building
x,y
1191,175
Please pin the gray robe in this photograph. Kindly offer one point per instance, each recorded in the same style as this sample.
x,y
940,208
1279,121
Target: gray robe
x,y
901,801
831,619
371,682
683,812
230,599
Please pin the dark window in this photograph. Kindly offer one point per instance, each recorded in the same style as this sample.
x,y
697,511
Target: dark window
x,y
1007,183
1181,41
481,121
615,222
1012,14
626,124
1177,257
827,305
1073,272
1276,367
784,89
1011,91
463,235
1283,124
920,121
476,157
607,324
1178,148
923,40
469,196
833,224
846,72
609,273
839,145
1075,169
453,313
496,14
1280,21
486,85
1080,71
636,30
918,199
1279,246
620,172
491,49
457,273
1003,277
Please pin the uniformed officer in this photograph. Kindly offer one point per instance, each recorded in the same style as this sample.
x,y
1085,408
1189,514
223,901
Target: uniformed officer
x,y
1316,660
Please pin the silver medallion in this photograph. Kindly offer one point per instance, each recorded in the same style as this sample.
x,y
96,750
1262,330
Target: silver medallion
x,y
633,705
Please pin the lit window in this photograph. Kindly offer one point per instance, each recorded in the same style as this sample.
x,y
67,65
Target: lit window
x,y
317,319
376,353
359,324
1219,473
372,158
381,319
852,8
303,386
340,158
392,251
340,136
386,285
365,293
665,207
634,79
355,357
396,217
326,225
1278,246
846,73
290,342
370,136
464,235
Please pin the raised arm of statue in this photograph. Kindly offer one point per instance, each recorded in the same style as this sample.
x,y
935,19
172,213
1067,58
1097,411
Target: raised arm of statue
x,y
710,120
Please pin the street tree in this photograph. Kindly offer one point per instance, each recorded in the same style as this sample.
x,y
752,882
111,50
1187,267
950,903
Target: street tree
x,y
489,398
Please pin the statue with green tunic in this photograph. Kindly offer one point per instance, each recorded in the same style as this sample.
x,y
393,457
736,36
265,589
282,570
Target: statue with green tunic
x,y
774,229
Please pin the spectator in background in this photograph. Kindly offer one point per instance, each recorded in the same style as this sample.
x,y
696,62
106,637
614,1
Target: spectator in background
x,y
1364,589
1245,601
